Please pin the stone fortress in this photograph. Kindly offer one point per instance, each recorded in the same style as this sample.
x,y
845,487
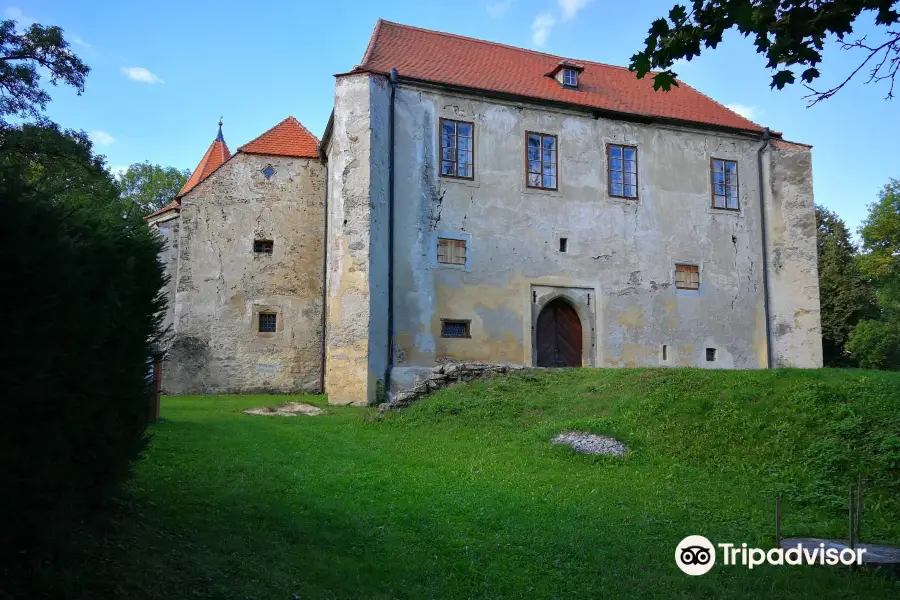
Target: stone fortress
x,y
470,201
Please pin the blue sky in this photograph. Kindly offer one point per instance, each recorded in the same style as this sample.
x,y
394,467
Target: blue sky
x,y
163,73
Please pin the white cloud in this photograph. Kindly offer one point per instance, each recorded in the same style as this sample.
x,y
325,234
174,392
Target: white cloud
x,y
541,27
748,112
77,40
16,15
498,9
118,170
101,138
570,8
141,74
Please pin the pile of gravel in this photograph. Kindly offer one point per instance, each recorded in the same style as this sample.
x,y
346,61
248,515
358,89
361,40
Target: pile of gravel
x,y
588,443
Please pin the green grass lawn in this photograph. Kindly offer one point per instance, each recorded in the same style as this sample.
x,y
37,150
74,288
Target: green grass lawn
x,y
462,496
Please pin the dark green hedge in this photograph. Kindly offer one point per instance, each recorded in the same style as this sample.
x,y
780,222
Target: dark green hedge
x,y
80,287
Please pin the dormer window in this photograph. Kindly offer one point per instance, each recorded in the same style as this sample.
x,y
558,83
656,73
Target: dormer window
x,y
566,74
570,78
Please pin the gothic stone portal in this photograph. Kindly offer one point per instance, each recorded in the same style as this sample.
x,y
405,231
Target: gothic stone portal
x,y
558,336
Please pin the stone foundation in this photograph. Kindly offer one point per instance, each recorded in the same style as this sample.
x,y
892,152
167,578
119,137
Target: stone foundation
x,y
446,374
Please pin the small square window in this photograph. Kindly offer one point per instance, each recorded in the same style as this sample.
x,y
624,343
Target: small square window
x,y
268,171
263,246
710,355
455,329
687,277
570,78
451,252
267,322
725,184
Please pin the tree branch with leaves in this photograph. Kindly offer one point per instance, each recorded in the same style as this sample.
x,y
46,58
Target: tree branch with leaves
x,y
790,33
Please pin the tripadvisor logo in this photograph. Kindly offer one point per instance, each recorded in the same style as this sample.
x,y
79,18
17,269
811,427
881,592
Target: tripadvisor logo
x,y
696,555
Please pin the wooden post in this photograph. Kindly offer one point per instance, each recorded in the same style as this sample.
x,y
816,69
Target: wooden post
x,y
778,521
155,389
851,519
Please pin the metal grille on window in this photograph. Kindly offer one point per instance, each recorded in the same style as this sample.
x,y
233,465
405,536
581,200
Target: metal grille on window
x,y
623,171
541,161
268,171
687,277
451,252
267,322
263,246
456,149
725,184
454,329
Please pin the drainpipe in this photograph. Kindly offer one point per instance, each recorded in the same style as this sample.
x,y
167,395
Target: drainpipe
x,y
324,283
766,134
390,324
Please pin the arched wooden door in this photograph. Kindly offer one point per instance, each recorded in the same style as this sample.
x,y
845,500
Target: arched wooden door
x,y
558,336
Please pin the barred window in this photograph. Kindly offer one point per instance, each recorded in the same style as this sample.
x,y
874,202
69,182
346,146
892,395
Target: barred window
x,y
541,161
263,246
267,322
451,252
457,149
622,165
725,184
687,277
454,329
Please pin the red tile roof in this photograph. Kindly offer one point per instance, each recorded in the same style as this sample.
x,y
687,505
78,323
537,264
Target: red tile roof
x,y
217,154
288,138
173,205
460,61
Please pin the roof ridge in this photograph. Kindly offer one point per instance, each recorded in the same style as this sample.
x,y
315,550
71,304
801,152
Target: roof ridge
x,y
495,44
284,120
303,127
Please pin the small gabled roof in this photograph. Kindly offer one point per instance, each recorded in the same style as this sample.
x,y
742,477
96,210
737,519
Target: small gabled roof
x,y
472,64
216,154
288,138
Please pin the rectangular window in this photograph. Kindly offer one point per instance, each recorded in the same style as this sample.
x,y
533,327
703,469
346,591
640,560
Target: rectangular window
x,y
541,161
267,322
563,244
724,184
570,78
457,149
622,163
454,329
451,252
687,277
665,352
263,246
710,355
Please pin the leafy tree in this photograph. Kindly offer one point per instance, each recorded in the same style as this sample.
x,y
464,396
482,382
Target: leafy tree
x,y
790,33
24,56
876,343
845,297
150,187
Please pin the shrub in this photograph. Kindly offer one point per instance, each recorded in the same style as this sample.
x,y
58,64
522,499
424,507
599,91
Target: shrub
x,y
81,296
876,344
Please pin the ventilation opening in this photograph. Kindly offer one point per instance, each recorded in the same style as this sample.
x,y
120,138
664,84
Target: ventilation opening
x,y
710,355
263,246
267,322
665,352
454,329
563,244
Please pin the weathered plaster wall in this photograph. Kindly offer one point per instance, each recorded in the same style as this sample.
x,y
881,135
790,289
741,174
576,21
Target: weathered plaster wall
x,y
222,285
357,240
793,268
620,252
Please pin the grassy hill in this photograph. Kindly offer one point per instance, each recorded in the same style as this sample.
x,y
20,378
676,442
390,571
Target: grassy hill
x,y
462,496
